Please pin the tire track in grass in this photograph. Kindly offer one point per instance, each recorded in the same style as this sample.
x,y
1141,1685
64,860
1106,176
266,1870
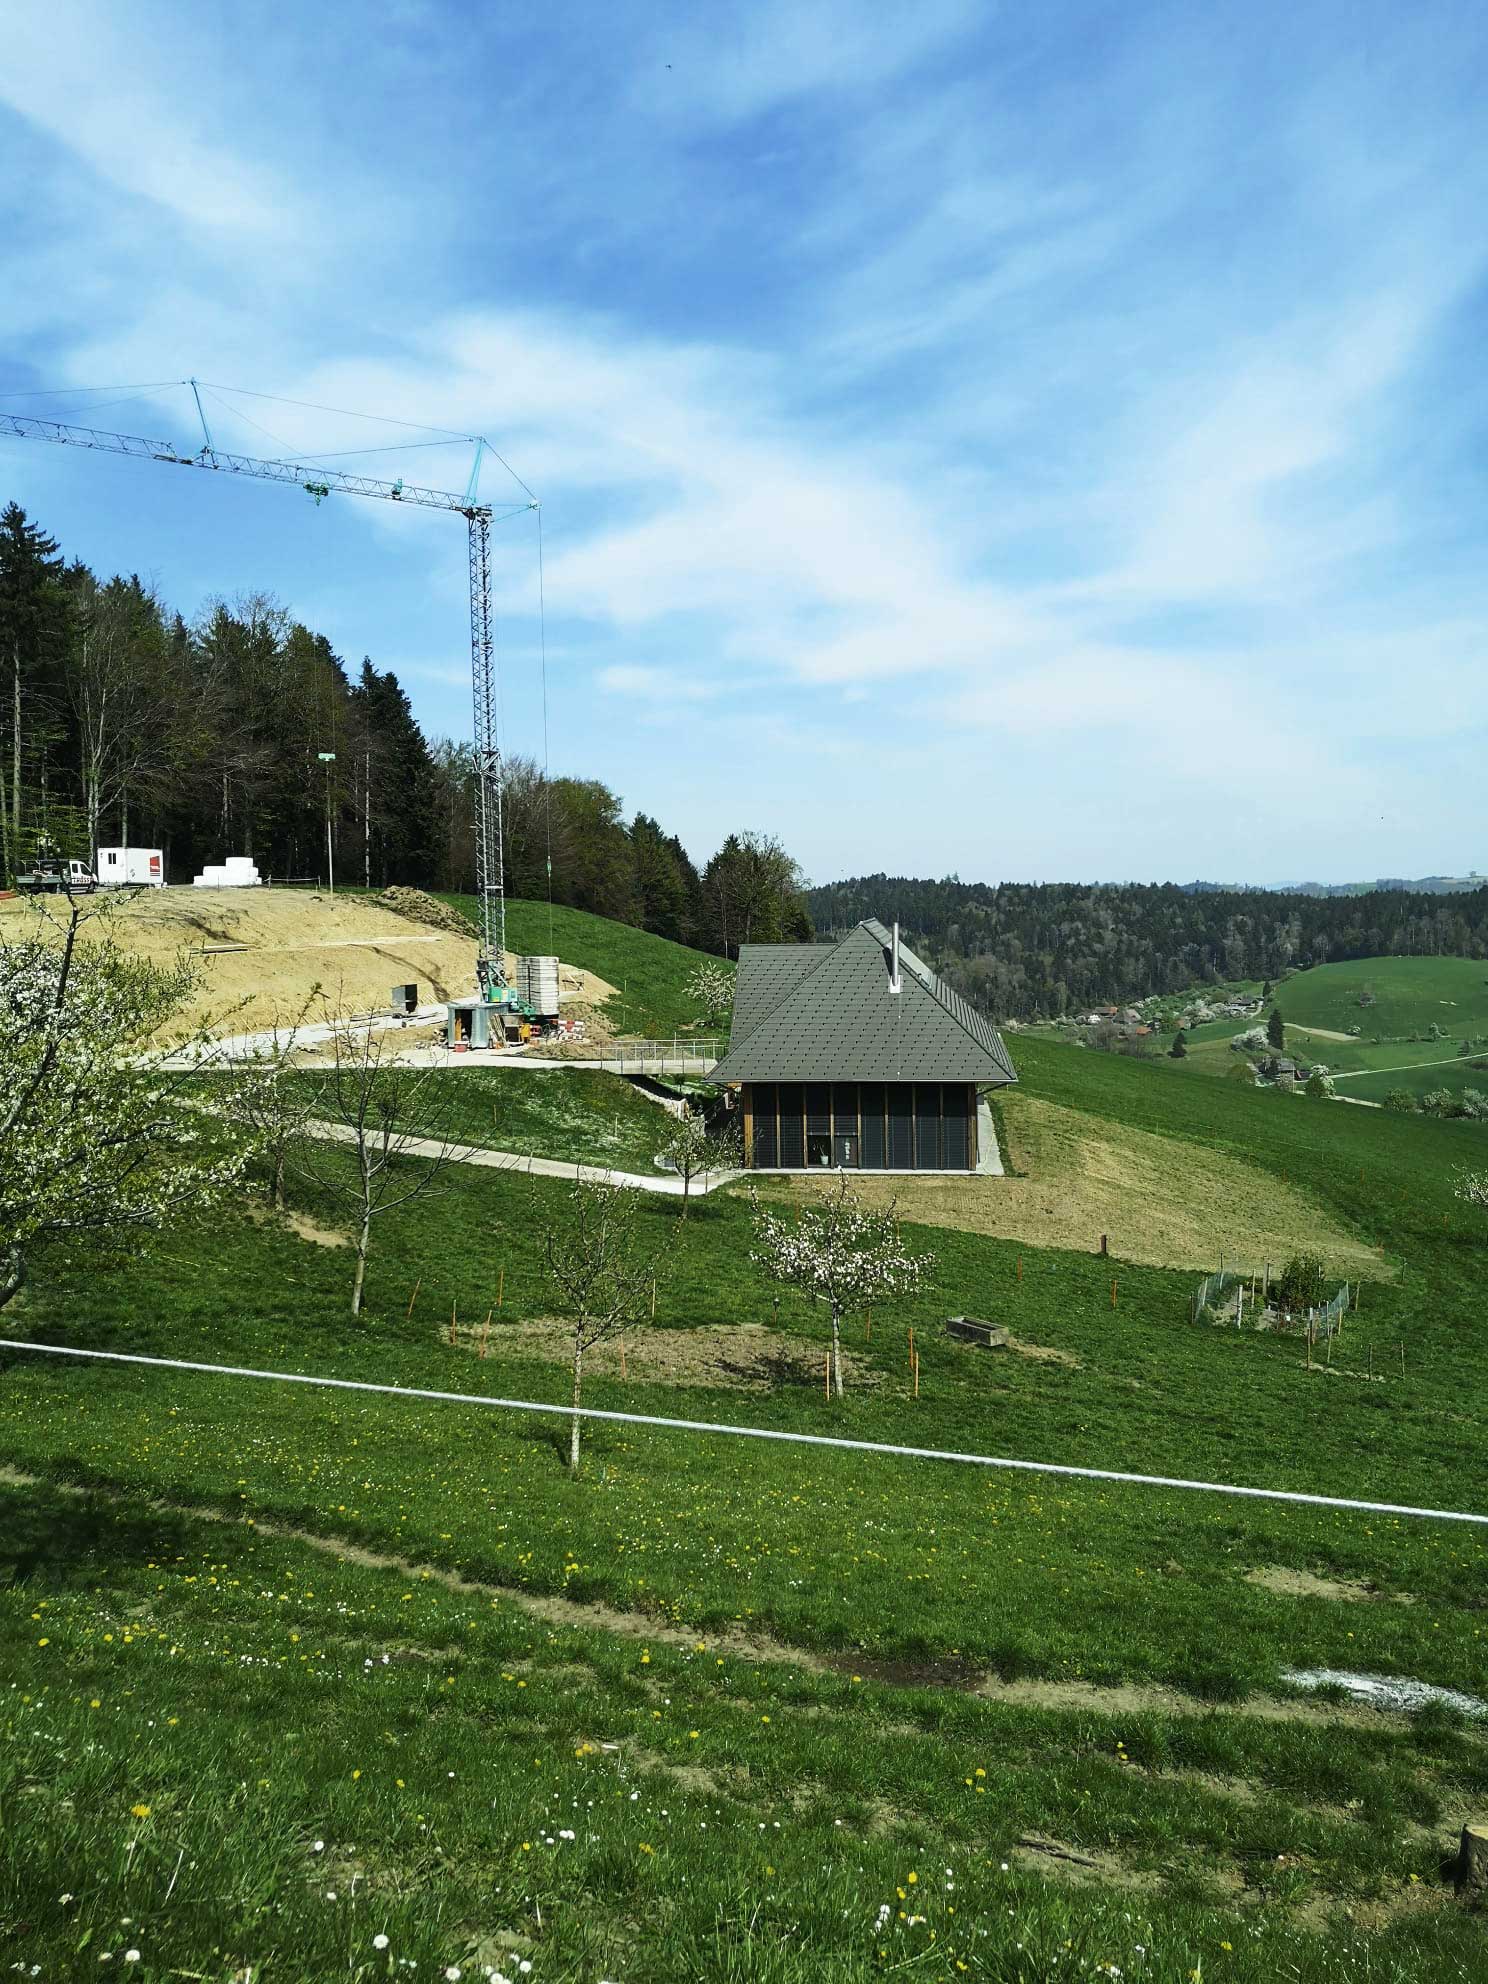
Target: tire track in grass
x,y
1064,1696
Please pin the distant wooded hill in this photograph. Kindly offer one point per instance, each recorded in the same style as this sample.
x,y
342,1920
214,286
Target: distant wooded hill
x,y
1036,950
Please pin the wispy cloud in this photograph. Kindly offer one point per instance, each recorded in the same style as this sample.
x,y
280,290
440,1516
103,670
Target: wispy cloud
x,y
955,389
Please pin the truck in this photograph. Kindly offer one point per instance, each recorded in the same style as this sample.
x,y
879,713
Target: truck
x,y
131,868
53,873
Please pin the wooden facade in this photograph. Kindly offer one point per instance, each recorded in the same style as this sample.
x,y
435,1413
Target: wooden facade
x,y
860,1126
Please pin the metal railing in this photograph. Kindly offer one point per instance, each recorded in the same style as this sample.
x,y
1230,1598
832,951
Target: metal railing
x,y
679,1055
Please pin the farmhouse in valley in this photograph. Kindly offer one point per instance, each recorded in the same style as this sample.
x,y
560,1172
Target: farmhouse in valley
x,y
855,1054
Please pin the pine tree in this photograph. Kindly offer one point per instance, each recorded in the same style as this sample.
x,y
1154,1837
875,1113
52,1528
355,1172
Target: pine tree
x,y
35,625
1276,1030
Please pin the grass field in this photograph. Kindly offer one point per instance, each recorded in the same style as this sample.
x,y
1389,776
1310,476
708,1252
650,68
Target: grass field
x,y
758,1687
1409,993
580,1114
649,973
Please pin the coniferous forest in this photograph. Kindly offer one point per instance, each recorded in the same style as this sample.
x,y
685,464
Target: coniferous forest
x,y
121,723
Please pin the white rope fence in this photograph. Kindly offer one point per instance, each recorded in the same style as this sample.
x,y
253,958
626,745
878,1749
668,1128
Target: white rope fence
x,y
1292,1495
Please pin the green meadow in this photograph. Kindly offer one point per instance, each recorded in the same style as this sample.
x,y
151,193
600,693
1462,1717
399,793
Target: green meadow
x,y
291,1669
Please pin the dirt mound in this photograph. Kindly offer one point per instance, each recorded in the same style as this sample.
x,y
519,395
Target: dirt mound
x,y
266,956
269,957
421,908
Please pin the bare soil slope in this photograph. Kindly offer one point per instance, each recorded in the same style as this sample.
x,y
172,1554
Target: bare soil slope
x,y
266,953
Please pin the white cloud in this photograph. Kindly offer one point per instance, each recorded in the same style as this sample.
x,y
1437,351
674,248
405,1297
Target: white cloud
x,y
73,70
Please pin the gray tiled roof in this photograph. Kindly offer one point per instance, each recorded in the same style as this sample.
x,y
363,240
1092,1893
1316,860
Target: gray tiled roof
x,y
829,1015
774,970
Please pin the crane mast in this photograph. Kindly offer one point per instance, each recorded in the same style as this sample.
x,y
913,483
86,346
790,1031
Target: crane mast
x,y
320,482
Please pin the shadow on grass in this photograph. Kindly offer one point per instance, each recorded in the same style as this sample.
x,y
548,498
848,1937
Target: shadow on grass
x,y
59,1538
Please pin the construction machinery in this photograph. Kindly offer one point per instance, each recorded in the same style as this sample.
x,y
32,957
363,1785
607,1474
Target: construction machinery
x,y
320,482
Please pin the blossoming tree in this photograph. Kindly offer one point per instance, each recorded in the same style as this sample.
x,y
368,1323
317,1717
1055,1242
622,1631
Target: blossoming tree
x,y
842,1252
96,1139
693,1150
711,990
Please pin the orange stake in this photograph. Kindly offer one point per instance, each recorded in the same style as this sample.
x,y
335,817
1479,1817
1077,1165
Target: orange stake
x,y
917,1375
500,1286
413,1298
1113,1291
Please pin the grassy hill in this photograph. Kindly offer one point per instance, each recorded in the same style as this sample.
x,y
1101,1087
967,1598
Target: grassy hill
x,y
1394,1047
1408,995
649,973
379,1668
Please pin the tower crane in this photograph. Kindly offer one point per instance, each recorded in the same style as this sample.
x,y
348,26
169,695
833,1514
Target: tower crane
x,y
320,482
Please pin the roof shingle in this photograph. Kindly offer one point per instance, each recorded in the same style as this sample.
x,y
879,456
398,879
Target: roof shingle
x,y
827,1013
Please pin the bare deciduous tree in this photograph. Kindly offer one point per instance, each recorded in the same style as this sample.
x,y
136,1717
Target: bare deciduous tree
x,y
269,1098
602,1267
389,1114
842,1252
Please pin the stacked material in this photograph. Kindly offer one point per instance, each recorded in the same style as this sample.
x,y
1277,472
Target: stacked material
x,y
537,985
237,872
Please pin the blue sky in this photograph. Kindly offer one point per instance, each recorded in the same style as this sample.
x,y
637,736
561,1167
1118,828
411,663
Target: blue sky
x,y
1024,441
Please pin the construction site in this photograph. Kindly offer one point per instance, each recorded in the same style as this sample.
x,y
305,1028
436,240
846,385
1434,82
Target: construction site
x,y
272,959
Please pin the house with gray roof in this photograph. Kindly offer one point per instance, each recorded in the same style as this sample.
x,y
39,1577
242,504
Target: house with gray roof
x,y
854,1054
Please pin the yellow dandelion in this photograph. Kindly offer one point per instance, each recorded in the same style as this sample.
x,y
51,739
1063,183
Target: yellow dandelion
x,y
139,1811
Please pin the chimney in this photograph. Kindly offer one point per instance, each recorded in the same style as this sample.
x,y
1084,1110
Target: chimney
x,y
894,962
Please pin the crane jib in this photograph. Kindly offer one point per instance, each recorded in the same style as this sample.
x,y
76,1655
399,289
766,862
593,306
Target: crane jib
x,y
320,483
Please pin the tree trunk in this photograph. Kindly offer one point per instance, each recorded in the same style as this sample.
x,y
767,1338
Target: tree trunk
x,y
15,759
361,1264
1472,1860
279,1155
836,1350
12,1275
578,1386
686,1186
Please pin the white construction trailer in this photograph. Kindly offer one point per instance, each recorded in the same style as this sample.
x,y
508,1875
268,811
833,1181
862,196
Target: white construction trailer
x,y
131,868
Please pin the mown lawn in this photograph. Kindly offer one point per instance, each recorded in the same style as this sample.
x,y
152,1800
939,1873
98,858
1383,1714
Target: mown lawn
x,y
579,1114
954,1594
